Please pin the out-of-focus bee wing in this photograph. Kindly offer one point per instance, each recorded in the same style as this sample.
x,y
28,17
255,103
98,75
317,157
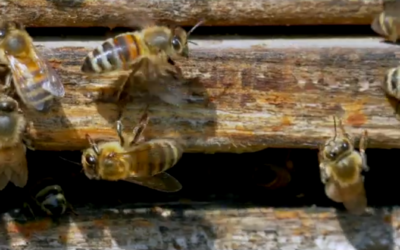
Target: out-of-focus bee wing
x,y
53,83
162,182
14,170
392,8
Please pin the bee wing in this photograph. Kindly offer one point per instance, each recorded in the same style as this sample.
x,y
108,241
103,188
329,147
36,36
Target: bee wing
x,y
53,84
165,81
14,170
162,182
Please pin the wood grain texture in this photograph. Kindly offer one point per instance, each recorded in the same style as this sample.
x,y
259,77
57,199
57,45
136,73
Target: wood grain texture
x,y
254,94
207,228
90,13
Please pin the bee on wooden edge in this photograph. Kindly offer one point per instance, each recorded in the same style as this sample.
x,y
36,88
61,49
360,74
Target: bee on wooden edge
x,y
134,160
341,170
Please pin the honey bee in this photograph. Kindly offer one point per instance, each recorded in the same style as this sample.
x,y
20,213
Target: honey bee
x,y
134,160
13,164
387,23
148,51
35,80
49,197
341,167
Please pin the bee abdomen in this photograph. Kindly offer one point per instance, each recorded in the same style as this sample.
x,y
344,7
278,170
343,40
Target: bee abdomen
x,y
114,54
160,156
392,80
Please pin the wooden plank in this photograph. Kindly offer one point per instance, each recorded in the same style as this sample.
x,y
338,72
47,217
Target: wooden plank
x,y
88,13
206,228
256,94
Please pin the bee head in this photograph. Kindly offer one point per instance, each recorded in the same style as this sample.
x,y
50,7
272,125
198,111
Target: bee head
x,y
337,146
52,200
14,41
180,40
90,159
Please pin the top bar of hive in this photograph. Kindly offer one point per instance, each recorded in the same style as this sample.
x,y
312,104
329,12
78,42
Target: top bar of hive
x,y
105,13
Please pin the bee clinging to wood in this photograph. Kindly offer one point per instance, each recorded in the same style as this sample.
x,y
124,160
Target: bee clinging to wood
x,y
36,82
341,167
148,52
387,23
13,164
134,160
48,196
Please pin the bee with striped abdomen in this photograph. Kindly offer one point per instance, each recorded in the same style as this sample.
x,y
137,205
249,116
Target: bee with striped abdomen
x,y
148,51
134,160
387,23
35,80
341,167
13,164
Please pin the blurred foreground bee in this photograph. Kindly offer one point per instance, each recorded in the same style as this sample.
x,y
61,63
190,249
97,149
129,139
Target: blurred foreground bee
x,y
387,24
13,164
35,80
341,168
149,53
49,197
133,160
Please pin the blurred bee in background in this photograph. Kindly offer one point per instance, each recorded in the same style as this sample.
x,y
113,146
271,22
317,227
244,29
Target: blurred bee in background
x,y
134,160
13,164
341,167
149,53
36,82
48,197
387,23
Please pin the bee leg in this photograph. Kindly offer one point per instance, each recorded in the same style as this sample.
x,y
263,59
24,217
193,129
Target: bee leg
x,y
71,209
138,130
27,138
27,206
323,173
363,143
7,84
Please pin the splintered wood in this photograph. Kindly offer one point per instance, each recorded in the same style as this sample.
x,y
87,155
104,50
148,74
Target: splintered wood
x,y
90,13
253,94
207,229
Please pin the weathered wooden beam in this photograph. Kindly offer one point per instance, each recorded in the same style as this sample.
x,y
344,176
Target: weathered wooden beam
x,y
206,229
87,13
256,94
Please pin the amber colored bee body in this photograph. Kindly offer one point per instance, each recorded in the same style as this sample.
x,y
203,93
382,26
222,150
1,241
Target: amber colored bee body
x,y
37,84
341,167
13,164
148,53
387,23
133,160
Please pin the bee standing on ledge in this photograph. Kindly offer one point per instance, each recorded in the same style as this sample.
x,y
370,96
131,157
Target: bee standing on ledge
x,y
387,23
148,51
49,197
35,80
13,164
133,160
341,168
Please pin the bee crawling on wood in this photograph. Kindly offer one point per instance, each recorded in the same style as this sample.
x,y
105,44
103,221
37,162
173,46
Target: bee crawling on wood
x,y
341,167
147,53
134,160
47,196
13,164
387,23
36,82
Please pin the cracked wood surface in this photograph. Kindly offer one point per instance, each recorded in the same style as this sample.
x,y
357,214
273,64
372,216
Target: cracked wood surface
x,y
256,94
90,13
206,228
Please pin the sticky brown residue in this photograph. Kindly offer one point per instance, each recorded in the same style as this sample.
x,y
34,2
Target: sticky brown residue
x,y
356,116
285,121
29,228
286,214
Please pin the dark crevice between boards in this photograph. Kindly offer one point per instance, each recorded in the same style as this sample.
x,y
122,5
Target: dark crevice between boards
x,y
227,180
48,34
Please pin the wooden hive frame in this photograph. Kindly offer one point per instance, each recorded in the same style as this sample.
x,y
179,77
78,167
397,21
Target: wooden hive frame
x,y
264,92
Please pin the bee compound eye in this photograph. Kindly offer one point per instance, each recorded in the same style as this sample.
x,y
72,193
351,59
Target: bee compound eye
x,y
8,106
345,145
332,154
90,159
176,43
2,32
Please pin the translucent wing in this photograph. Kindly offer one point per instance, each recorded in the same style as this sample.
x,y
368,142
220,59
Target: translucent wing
x,y
53,82
163,79
162,182
13,167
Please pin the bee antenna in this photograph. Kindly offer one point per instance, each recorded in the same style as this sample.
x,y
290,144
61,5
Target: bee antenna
x,y
70,161
334,125
192,43
93,144
195,27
